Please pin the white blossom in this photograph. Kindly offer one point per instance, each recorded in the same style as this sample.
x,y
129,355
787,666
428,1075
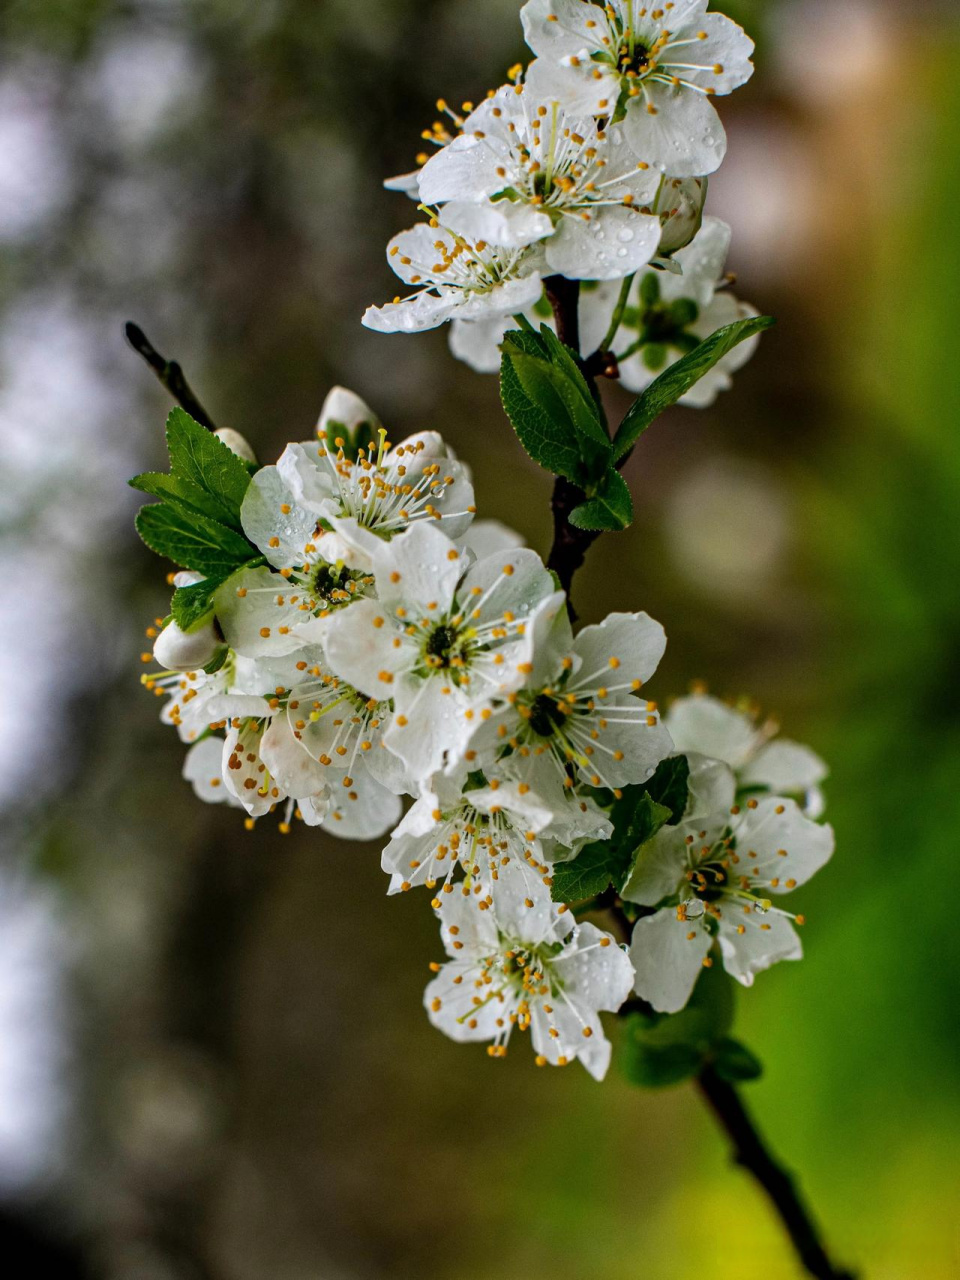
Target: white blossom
x,y
530,969
457,273
668,315
577,718
540,173
658,67
703,726
482,831
443,644
319,516
714,878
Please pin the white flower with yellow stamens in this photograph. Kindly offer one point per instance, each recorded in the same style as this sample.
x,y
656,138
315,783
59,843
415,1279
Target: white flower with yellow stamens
x,y
443,644
713,878
668,315
479,831
538,172
318,516
657,66
458,273
530,969
702,726
343,730
578,719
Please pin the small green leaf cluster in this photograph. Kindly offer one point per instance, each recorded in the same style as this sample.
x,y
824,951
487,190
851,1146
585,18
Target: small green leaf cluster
x,y
197,522
659,1049
637,815
561,424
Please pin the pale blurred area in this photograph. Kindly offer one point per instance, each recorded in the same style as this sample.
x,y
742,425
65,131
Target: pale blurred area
x,y
213,1057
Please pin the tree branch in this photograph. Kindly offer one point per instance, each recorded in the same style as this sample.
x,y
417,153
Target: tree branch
x,y
570,546
169,373
750,1152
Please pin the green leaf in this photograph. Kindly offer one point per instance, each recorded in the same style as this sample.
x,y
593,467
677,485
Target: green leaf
x,y
602,863
659,1049
680,377
734,1062
198,457
588,875
192,605
193,541
669,785
181,493
585,410
610,508
547,400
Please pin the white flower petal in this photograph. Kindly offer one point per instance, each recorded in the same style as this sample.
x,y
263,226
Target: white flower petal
x,y
359,807
419,568
702,263
660,867
577,89
776,842
556,28
667,959
708,726
594,969
203,768
765,940
623,648
784,767
436,731
711,786
360,649
293,768
613,243
274,521
253,622
683,137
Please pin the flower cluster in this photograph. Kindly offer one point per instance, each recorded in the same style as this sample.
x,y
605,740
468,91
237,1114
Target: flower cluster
x,y
349,647
592,164
385,646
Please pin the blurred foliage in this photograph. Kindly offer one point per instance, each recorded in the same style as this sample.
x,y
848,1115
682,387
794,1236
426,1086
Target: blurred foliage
x,y
256,1091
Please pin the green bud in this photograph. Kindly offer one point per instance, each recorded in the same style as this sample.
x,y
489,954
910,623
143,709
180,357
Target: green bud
x,y
650,289
683,312
654,356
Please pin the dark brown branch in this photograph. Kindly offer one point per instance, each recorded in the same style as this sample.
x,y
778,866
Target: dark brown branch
x,y
169,373
570,546
750,1152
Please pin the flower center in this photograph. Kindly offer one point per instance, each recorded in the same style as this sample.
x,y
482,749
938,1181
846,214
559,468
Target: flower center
x,y
546,716
443,646
709,881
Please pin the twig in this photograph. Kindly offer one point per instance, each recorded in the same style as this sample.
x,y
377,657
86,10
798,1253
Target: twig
x,y
570,546
169,373
750,1152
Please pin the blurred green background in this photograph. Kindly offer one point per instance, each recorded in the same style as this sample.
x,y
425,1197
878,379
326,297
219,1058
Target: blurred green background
x,y
213,1059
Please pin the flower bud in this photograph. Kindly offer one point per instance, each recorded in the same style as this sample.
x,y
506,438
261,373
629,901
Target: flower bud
x,y
236,443
681,211
346,417
178,650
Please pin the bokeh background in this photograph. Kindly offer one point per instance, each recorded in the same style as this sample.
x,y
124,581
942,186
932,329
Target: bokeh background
x,y
213,1059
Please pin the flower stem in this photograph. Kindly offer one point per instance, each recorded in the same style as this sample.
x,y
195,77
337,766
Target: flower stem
x,y
751,1153
169,373
567,554
618,311
570,544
